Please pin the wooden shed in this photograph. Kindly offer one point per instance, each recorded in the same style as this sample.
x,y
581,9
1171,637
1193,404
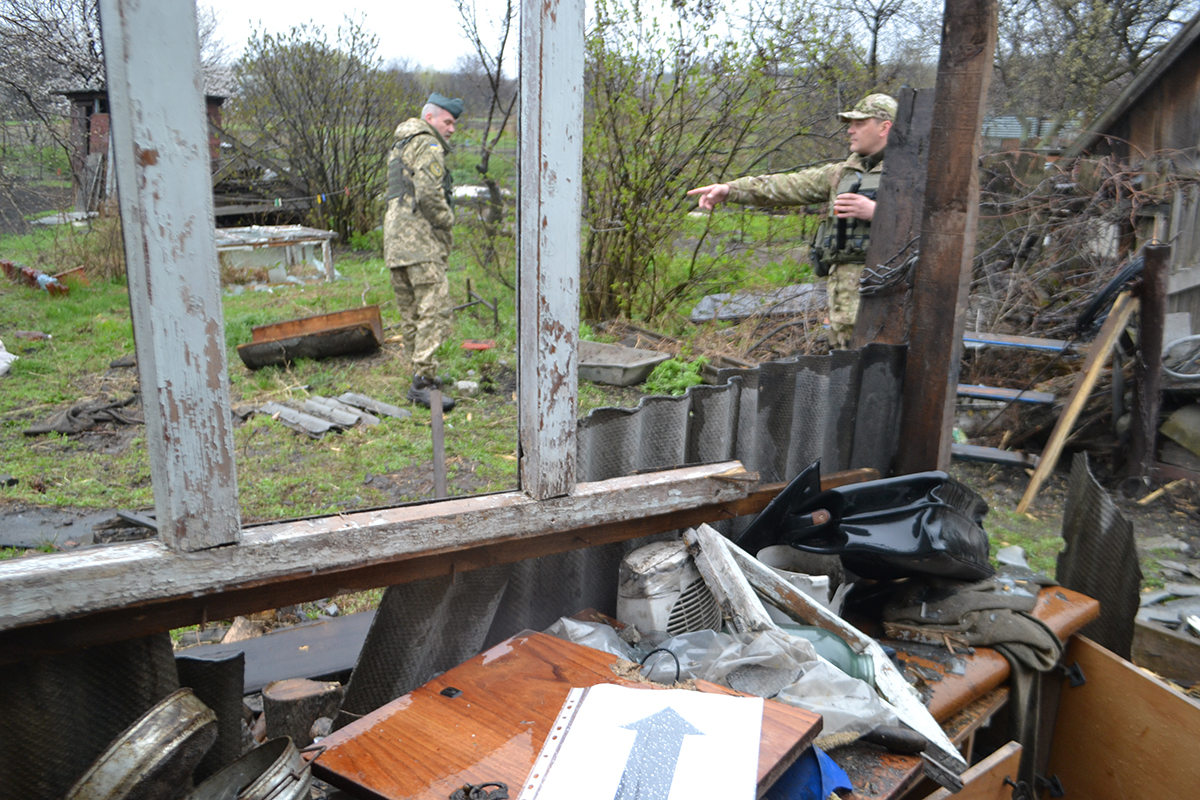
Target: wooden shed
x,y
1156,119
89,135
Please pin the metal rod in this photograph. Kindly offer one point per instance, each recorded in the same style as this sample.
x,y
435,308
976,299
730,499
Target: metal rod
x,y
439,443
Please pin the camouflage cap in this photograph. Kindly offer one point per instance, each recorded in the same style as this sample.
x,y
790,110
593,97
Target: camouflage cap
x,y
873,106
455,106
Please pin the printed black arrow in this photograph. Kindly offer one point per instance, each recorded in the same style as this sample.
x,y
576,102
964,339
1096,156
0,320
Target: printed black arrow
x,y
650,768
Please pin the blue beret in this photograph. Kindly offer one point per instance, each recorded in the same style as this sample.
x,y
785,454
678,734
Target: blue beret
x,y
455,106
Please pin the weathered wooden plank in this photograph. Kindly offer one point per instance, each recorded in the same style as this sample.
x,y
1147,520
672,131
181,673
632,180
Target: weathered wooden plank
x,y
986,780
948,226
1171,654
160,150
1000,393
992,455
1019,342
550,199
1097,357
320,323
58,601
739,605
885,317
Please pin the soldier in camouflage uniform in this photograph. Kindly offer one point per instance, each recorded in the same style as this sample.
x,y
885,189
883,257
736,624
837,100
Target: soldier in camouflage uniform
x,y
848,187
417,236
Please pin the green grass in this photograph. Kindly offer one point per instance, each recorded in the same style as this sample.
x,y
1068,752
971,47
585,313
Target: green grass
x,y
281,473
1039,538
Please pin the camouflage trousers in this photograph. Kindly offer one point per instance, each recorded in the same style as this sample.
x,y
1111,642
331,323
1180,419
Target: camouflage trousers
x,y
843,303
423,295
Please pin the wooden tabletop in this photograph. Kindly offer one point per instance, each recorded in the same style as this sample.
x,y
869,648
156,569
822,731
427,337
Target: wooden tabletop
x,y
432,741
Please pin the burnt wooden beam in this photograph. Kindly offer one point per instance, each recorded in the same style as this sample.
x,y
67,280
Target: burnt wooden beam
x,y
885,317
1147,373
942,278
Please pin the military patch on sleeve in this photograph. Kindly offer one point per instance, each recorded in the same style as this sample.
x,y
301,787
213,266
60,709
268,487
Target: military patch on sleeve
x,y
436,169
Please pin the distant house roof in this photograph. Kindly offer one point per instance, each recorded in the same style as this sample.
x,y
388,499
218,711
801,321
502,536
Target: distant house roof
x,y
102,91
1151,72
1013,127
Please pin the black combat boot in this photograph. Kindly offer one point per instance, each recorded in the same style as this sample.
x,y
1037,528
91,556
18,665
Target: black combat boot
x,y
419,392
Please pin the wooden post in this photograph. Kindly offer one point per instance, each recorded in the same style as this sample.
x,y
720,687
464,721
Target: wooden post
x,y
549,207
886,317
1147,376
948,221
160,150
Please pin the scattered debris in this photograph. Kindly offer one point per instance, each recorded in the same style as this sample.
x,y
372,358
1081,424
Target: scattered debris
x,y
357,330
786,301
467,388
298,420
87,415
32,335
33,278
6,359
374,406
615,364
292,706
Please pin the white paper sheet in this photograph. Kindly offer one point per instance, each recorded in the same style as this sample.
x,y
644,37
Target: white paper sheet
x,y
618,743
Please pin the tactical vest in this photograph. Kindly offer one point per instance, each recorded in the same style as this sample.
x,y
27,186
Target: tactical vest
x,y
400,176
844,241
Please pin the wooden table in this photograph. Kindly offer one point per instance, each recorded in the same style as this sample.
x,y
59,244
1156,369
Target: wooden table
x,y
432,741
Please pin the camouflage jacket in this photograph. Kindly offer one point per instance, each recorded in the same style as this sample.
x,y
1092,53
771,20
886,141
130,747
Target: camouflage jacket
x,y
420,215
836,241
807,187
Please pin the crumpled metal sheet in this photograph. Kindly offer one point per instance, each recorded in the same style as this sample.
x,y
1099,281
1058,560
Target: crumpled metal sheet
x,y
777,418
1100,559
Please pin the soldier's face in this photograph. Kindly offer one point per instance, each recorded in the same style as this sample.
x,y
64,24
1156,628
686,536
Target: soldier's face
x,y
868,136
442,121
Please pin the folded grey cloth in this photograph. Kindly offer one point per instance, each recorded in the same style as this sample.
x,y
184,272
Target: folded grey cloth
x,y
987,613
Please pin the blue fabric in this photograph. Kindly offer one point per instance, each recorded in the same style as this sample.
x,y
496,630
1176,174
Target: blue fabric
x,y
814,776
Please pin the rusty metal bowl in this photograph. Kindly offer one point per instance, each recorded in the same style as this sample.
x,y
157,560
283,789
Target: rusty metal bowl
x,y
154,757
274,771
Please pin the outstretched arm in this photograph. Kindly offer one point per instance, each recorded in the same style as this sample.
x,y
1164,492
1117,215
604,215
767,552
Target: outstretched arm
x,y
711,195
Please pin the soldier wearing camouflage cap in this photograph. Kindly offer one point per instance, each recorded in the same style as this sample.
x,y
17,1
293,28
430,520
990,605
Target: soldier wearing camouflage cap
x,y
849,186
417,236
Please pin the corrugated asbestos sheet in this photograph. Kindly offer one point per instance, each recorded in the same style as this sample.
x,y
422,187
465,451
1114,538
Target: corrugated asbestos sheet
x,y
777,419
1100,559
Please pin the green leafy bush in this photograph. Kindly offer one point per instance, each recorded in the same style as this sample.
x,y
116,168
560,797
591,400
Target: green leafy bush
x,y
674,377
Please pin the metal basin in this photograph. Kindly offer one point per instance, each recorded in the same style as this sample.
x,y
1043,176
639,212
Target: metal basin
x,y
153,758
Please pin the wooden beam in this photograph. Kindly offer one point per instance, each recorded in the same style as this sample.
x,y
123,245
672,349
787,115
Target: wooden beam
x,y
1147,374
885,317
550,202
1097,357
60,601
160,149
948,222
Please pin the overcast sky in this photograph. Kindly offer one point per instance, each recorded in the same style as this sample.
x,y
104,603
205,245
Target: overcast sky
x,y
424,31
